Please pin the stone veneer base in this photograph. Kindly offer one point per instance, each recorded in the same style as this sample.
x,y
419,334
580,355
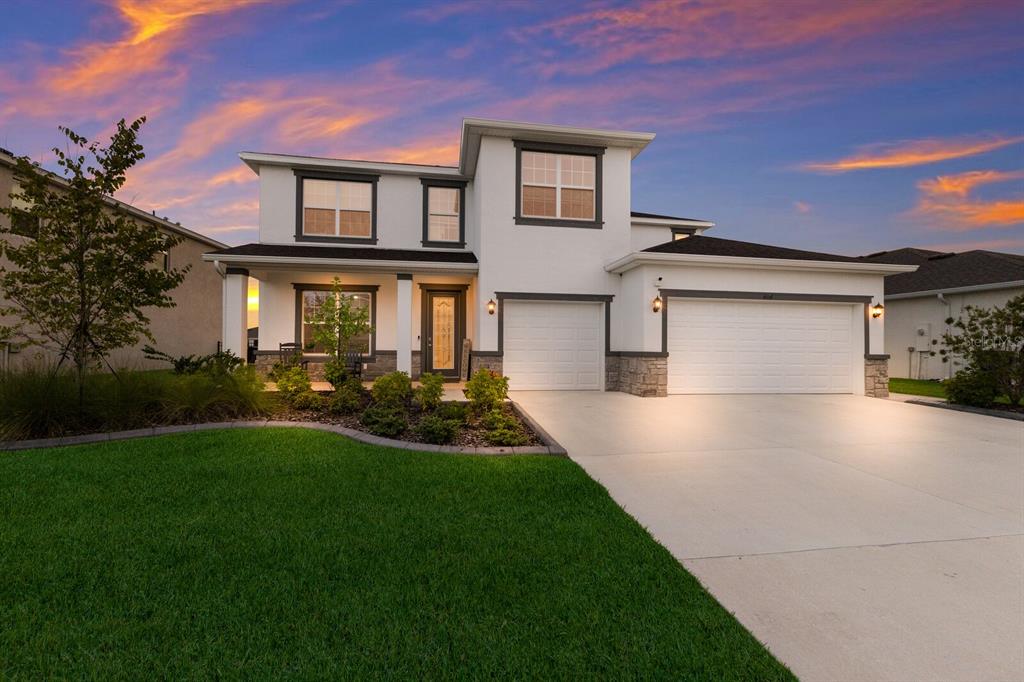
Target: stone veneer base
x,y
642,375
550,447
876,377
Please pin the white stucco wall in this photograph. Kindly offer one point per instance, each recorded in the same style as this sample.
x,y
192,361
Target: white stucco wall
x,y
548,259
277,303
905,316
641,285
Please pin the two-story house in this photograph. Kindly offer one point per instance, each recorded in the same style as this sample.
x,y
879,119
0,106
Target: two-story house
x,y
528,258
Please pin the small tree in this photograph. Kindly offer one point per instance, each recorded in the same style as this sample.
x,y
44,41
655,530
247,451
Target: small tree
x,y
84,279
991,343
336,321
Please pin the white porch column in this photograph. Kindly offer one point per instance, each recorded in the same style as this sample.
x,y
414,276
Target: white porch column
x,y
234,330
403,324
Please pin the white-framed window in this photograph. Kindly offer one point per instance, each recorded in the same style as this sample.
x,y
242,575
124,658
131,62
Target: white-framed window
x,y
558,185
314,298
444,214
337,208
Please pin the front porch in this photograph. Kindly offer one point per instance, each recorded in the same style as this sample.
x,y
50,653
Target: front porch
x,y
423,313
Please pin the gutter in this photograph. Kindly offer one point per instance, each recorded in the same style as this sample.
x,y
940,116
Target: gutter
x,y
335,263
957,290
639,258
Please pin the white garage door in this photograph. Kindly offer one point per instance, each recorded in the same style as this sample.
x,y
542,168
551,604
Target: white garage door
x,y
553,345
721,346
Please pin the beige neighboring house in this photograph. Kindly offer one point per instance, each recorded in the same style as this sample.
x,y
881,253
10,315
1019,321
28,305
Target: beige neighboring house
x,y
917,304
193,326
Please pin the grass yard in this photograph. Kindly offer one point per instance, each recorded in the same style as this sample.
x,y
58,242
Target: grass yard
x,y
932,389
284,552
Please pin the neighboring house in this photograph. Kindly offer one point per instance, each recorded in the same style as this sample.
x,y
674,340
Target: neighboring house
x,y
193,326
527,258
917,304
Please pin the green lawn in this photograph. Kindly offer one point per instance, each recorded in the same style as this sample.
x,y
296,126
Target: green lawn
x,y
932,389
284,552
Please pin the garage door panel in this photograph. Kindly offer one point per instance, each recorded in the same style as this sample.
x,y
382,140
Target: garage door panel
x,y
554,345
759,347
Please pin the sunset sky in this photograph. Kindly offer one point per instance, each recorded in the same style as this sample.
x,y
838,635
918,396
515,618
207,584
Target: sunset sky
x,y
849,127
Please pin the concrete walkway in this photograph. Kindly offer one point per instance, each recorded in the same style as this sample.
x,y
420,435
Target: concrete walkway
x,y
858,538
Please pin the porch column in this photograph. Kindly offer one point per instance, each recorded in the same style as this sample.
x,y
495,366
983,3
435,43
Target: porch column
x,y
403,324
234,330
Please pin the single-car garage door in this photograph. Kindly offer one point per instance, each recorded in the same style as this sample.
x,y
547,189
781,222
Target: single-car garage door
x,y
553,345
724,346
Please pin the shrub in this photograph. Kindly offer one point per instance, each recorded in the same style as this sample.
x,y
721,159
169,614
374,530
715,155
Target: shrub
x,y
971,387
456,411
280,367
221,362
349,397
385,420
335,372
431,390
293,381
203,397
308,400
438,430
486,390
503,429
392,389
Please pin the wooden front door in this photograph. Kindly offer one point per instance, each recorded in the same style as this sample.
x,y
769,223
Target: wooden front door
x,y
445,329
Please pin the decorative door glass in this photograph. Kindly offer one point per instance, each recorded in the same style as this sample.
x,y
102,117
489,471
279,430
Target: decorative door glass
x,y
443,329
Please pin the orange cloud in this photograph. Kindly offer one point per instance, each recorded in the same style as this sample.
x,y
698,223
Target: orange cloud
x,y
802,207
948,200
913,153
662,31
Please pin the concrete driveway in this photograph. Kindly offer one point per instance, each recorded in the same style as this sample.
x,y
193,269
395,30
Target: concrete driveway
x,y
858,538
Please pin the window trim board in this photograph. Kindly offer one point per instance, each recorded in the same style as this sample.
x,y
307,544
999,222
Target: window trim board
x,y
460,185
371,289
301,175
554,148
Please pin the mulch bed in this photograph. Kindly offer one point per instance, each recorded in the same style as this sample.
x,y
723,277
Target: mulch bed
x,y
471,435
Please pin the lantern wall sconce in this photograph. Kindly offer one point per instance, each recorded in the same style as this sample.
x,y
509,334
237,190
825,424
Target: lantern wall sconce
x,y
876,310
657,303
491,306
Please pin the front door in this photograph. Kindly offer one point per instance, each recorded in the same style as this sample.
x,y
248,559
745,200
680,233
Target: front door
x,y
444,331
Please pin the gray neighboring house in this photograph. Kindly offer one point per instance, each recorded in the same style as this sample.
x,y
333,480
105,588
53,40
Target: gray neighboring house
x,y
193,326
917,304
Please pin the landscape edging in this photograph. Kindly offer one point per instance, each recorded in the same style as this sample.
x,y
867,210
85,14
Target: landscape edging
x,y
1000,414
550,447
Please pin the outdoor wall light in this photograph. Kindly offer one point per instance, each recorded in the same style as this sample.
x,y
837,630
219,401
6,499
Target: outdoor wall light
x,y
656,304
876,310
491,305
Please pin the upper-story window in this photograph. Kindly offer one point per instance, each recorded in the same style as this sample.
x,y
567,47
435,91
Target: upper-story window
x,y
23,223
444,220
682,233
558,185
336,208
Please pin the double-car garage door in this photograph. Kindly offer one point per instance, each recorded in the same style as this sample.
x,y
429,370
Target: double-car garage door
x,y
714,346
730,346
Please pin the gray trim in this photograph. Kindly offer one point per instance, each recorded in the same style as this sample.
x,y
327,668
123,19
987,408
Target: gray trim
x,y
403,275
302,174
486,353
450,184
867,328
876,356
566,298
636,354
580,150
229,271
364,288
764,296
426,325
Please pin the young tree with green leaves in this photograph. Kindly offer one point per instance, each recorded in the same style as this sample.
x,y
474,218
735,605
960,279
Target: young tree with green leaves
x,y
82,282
335,322
990,341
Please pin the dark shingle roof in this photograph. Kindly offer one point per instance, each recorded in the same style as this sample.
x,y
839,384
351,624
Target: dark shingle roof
x,y
716,246
347,253
638,214
954,270
907,256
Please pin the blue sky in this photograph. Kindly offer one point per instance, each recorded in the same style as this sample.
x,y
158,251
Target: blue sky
x,y
837,126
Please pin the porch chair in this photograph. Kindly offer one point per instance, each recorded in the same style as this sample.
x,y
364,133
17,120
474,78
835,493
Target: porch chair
x,y
354,363
287,350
